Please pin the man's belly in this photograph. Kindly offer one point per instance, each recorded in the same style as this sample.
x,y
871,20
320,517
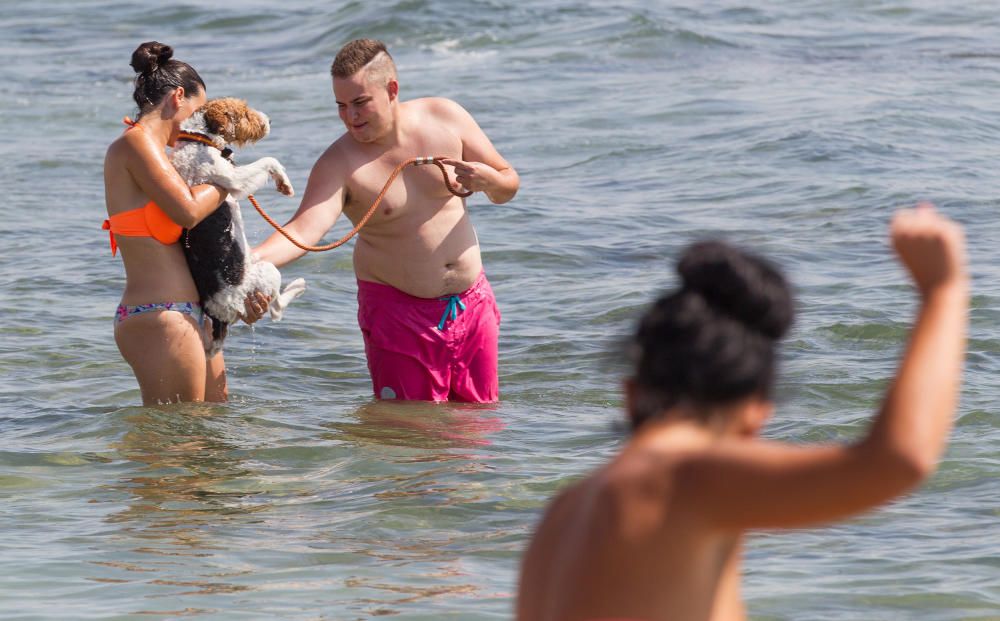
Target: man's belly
x,y
420,267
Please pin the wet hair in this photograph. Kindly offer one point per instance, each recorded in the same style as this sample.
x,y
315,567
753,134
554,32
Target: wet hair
x,y
157,73
713,340
362,53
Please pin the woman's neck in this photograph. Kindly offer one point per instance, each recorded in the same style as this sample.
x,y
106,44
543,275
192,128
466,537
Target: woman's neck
x,y
670,434
159,128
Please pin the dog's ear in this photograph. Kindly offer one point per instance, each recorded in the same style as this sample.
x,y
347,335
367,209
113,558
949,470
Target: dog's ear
x,y
218,120
251,126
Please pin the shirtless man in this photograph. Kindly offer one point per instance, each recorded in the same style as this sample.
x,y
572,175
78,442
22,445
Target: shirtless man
x,y
656,534
426,311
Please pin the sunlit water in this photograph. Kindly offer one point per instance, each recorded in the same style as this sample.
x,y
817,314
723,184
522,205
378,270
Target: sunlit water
x,y
794,129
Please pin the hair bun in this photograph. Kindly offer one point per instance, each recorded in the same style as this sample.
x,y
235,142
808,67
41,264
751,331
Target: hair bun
x,y
739,284
149,56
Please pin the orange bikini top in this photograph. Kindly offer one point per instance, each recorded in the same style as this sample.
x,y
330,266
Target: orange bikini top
x,y
146,221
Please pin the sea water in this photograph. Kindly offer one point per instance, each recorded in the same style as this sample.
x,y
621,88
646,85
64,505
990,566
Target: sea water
x,y
792,128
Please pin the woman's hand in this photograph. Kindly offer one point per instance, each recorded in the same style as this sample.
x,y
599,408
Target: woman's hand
x,y
930,246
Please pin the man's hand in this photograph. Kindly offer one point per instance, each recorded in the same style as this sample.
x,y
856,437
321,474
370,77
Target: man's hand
x,y
255,305
474,176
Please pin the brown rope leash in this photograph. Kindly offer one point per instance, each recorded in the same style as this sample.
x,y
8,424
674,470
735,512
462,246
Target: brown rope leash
x,y
193,137
414,161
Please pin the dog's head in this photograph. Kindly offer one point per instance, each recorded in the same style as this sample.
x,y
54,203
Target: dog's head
x,y
234,121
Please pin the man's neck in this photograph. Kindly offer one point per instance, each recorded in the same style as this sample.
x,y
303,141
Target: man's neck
x,y
394,136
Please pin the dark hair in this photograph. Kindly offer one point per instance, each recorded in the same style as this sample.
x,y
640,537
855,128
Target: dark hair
x,y
356,55
157,73
712,341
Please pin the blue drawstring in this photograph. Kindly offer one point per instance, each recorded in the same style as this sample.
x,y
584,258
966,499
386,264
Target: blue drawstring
x,y
454,305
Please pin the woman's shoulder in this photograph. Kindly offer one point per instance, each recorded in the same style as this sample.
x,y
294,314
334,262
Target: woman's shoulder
x,y
128,146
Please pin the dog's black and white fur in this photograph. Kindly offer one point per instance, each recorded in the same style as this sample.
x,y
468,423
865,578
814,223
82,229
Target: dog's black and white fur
x,y
216,249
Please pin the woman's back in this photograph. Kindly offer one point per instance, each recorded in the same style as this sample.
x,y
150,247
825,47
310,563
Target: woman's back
x,y
623,544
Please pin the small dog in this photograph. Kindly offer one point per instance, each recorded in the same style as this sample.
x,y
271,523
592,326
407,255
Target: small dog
x,y
216,249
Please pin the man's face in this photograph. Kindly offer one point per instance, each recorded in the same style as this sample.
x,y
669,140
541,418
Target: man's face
x,y
364,107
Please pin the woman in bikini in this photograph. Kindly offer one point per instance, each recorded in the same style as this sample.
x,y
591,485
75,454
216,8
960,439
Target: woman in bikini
x,y
656,533
159,323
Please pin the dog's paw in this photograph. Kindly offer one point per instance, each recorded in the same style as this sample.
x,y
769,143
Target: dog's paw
x,y
291,291
285,187
294,289
282,182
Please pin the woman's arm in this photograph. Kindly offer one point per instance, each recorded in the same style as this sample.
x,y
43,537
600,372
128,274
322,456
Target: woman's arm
x,y
743,484
158,179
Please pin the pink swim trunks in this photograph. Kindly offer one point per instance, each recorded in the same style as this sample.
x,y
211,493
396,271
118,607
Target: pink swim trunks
x,y
431,349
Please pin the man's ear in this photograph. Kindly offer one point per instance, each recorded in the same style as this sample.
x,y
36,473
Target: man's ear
x,y
393,88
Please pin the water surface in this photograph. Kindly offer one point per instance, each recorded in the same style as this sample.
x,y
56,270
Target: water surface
x,y
795,128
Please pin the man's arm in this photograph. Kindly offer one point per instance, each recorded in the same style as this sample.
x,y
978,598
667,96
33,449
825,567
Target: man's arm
x,y
482,168
322,203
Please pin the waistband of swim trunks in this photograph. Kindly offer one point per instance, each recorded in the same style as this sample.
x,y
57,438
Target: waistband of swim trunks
x,y
367,287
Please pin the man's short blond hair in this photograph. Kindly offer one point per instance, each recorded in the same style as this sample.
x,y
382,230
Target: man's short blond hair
x,y
361,54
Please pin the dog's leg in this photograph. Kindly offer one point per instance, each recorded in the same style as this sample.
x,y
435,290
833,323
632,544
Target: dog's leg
x,y
281,181
293,290
247,179
265,277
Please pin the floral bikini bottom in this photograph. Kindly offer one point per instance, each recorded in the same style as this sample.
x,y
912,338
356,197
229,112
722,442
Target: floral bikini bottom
x,y
188,308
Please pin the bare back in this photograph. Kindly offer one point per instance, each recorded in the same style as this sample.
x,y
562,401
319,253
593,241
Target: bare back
x,y
619,545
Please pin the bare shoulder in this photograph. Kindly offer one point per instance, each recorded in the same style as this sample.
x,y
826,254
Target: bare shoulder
x,y
617,495
332,161
135,151
439,107
563,506
611,480
126,145
643,474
